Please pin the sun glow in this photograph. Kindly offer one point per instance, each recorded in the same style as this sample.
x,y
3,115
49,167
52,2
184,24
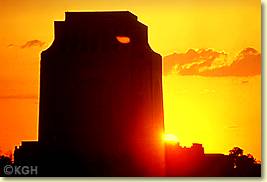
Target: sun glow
x,y
170,138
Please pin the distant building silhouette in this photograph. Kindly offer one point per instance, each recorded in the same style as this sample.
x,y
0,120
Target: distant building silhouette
x,y
101,108
184,162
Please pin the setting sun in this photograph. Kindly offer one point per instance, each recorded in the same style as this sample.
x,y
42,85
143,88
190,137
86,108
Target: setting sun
x,y
170,138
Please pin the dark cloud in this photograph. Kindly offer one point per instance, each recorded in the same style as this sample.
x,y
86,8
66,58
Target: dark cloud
x,y
244,81
29,44
206,62
32,43
11,45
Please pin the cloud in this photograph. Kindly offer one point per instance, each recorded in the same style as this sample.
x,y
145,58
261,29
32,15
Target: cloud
x,y
33,43
244,81
29,44
11,45
206,62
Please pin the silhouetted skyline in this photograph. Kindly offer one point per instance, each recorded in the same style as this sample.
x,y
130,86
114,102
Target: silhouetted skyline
x,y
174,27
101,103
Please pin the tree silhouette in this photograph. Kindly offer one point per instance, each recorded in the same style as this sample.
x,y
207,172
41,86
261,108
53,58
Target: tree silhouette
x,y
235,152
243,165
4,160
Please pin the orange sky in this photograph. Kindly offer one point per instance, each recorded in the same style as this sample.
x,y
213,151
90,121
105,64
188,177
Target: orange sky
x,y
219,112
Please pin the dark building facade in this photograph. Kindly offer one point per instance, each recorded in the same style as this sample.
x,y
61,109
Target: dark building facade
x,y
101,106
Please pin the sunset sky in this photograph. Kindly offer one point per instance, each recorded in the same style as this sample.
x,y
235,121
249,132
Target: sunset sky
x,y
211,84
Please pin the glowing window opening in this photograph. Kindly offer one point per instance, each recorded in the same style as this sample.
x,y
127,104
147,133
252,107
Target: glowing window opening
x,y
123,39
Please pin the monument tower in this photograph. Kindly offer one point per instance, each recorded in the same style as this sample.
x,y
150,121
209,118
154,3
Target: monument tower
x,y
101,106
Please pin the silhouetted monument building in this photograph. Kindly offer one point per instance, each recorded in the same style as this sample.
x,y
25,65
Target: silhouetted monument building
x,y
101,108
